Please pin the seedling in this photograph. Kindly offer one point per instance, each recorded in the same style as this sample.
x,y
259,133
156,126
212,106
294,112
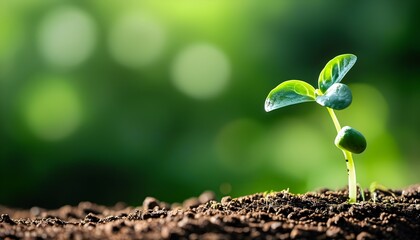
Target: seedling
x,y
334,96
376,186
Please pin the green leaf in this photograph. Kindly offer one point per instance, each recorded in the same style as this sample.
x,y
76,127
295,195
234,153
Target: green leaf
x,y
351,140
337,97
288,93
335,70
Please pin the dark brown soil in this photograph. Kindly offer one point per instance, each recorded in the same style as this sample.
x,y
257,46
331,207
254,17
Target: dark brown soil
x,y
277,215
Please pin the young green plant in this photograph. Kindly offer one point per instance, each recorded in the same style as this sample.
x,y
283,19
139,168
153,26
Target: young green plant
x,y
334,96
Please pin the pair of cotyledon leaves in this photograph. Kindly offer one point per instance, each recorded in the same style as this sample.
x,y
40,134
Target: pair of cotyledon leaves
x,y
331,92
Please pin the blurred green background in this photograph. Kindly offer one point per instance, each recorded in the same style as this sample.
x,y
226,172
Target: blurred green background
x,y
112,101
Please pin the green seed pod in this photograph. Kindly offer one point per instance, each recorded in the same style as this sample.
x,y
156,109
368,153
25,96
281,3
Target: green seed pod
x,y
351,140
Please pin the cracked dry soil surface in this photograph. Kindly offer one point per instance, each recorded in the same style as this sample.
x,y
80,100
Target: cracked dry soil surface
x,y
278,215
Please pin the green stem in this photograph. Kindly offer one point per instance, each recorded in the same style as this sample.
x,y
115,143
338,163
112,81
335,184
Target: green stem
x,y
351,171
335,119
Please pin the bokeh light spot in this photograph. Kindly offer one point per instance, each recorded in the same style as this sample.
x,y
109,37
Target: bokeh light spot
x,y
67,36
381,162
51,108
136,40
10,32
201,71
237,145
225,188
299,148
368,112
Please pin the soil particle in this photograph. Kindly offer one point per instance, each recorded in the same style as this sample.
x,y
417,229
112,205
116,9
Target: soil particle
x,y
150,203
278,215
6,219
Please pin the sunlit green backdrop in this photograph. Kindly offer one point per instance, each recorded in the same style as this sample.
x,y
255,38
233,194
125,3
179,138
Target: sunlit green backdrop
x,y
113,101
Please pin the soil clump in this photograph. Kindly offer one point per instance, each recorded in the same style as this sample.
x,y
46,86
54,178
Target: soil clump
x,y
324,214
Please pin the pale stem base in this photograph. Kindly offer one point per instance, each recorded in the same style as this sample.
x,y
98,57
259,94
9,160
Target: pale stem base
x,y
351,171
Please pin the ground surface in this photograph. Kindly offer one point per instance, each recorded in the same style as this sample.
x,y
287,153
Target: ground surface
x,y
278,215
